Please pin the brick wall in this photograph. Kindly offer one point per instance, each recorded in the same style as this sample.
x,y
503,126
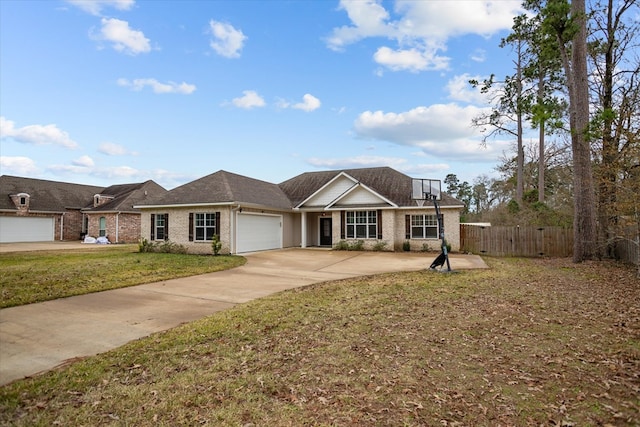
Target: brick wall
x,y
72,225
451,230
179,227
120,228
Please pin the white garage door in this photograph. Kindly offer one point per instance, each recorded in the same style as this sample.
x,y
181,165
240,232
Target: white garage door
x,y
258,232
21,229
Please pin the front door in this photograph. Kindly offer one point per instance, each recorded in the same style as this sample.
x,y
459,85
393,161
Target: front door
x,y
325,232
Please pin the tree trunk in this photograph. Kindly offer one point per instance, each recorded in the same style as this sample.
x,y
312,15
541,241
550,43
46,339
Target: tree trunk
x,y
585,232
541,162
520,159
608,168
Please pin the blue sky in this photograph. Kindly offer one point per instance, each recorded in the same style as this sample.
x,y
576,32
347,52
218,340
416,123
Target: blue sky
x,y
120,91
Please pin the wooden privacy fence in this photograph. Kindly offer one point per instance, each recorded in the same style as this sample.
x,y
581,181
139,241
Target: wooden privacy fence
x,y
526,241
628,245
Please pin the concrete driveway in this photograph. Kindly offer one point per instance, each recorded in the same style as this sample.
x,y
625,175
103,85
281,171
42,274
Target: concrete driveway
x,y
38,337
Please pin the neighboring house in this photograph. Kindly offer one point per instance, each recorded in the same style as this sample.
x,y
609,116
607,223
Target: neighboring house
x,y
112,213
321,209
34,210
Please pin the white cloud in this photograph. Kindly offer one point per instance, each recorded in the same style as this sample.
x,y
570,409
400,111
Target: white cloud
x,y
478,55
157,87
460,89
398,163
249,100
369,19
413,59
95,7
111,149
421,28
309,103
83,161
444,19
227,41
110,173
115,174
17,165
36,134
356,162
426,170
123,38
442,130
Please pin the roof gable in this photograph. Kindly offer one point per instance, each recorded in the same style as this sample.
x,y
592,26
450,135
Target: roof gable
x,y
329,192
344,190
360,195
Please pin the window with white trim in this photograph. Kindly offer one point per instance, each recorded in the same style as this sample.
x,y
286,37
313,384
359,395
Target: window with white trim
x,y
424,227
361,224
205,226
159,227
102,227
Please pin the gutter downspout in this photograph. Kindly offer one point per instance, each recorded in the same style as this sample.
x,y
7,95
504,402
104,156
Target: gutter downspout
x,y
117,227
62,226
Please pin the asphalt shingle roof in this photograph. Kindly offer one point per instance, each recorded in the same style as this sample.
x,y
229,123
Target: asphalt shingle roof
x,y
126,196
386,181
56,196
46,196
225,187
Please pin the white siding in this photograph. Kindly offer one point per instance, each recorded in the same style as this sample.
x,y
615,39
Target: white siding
x,y
360,196
330,193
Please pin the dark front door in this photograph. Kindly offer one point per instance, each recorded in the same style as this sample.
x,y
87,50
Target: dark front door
x,y
325,232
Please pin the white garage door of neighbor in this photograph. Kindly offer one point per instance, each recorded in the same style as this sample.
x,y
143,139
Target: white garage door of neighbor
x,y
21,229
258,232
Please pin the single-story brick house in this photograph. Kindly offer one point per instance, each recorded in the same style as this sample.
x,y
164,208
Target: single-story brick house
x,y
320,209
34,210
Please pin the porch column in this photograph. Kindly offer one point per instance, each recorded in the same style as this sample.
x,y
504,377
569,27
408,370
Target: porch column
x,y
303,229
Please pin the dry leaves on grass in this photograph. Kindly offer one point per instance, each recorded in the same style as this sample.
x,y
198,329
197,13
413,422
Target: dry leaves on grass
x,y
528,342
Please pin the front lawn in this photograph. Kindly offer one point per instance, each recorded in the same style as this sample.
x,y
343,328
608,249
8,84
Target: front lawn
x,y
525,343
29,277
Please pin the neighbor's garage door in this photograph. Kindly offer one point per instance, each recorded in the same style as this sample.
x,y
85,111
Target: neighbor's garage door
x,y
258,232
21,229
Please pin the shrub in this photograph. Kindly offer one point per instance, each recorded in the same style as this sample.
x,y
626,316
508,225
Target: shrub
x,y
380,245
166,247
406,246
342,245
145,246
357,245
216,244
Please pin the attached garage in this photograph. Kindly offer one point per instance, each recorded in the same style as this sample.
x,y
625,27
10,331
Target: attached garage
x,y
26,229
258,232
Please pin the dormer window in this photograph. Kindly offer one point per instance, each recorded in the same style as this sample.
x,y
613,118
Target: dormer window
x,y
21,201
101,199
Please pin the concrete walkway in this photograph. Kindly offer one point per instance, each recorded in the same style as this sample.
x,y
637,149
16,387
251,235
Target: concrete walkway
x,y
38,337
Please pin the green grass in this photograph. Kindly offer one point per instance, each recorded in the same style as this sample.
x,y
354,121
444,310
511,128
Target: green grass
x,y
29,277
526,343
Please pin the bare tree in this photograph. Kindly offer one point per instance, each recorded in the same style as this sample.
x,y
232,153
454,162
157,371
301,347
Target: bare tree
x,y
613,50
